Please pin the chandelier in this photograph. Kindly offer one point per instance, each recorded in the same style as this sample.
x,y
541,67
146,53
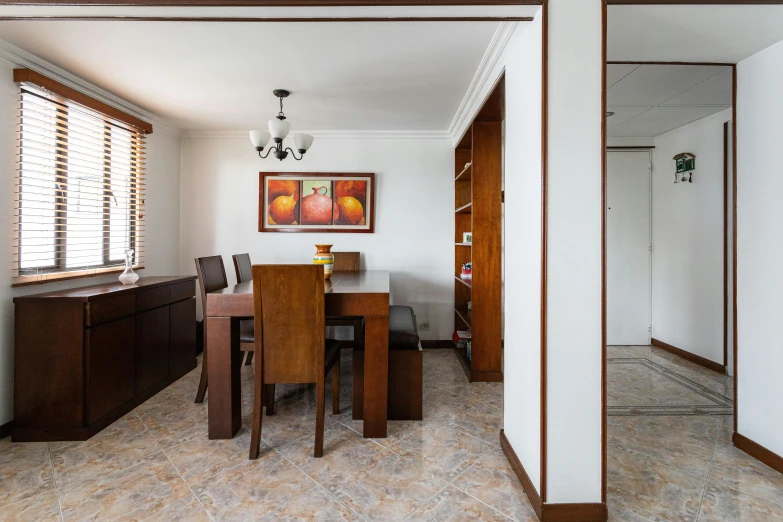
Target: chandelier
x,y
278,130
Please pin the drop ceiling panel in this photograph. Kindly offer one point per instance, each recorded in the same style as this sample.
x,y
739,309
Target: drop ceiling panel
x,y
715,91
617,71
623,114
654,84
659,120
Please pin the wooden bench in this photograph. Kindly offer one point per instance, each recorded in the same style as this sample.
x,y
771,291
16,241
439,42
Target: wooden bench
x,y
405,368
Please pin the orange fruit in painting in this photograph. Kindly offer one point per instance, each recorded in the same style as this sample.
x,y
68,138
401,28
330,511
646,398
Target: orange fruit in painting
x,y
351,189
351,211
282,187
282,210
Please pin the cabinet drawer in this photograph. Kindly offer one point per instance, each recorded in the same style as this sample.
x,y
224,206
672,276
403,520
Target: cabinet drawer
x,y
152,298
109,308
182,291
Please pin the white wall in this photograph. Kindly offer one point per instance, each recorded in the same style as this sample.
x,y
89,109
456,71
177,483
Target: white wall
x,y
162,223
522,372
574,366
414,217
687,252
760,247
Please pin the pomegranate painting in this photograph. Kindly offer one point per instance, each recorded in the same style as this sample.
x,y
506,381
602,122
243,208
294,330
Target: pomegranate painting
x,y
317,208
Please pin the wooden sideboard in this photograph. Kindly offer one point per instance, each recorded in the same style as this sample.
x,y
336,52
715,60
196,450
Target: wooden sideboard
x,y
87,356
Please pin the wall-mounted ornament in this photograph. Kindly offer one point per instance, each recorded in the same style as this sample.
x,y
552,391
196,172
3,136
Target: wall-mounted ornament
x,y
686,164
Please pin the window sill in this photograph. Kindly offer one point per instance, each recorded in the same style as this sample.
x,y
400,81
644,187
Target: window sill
x,y
65,276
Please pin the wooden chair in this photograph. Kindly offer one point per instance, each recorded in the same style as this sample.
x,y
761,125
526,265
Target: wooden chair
x,y
243,268
291,345
211,277
348,262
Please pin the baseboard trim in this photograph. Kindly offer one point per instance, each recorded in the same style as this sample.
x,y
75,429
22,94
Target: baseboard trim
x,y
442,343
5,429
551,512
758,452
701,361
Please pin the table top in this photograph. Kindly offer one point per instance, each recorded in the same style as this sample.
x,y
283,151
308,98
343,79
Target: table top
x,y
237,299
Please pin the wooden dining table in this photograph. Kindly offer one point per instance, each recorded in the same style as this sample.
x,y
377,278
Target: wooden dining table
x,y
348,294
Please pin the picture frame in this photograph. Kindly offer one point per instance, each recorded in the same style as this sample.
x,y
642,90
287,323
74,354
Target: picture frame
x,y
316,202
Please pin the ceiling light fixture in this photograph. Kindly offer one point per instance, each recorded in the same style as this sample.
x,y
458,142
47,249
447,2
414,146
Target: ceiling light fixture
x,y
278,130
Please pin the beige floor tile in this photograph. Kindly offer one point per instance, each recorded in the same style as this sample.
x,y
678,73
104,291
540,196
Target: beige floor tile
x,y
43,507
442,450
652,353
251,491
185,508
620,512
154,481
385,487
722,504
492,481
736,469
172,426
314,505
453,505
25,470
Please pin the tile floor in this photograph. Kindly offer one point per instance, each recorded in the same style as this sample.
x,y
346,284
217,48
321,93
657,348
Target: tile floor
x,y
157,463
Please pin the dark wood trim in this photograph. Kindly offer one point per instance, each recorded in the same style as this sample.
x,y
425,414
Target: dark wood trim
x,y
440,343
5,429
645,147
267,3
550,512
264,19
697,359
758,452
30,76
734,236
604,410
714,64
725,244
544,230
524,479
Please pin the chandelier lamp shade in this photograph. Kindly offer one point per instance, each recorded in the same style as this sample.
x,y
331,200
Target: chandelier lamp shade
x,y
278,131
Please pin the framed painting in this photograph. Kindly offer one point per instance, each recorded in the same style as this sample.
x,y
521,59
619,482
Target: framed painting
x,y
316,202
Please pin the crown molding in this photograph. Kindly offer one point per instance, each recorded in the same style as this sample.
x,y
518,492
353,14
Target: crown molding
x,y
327,135
483,80
24,58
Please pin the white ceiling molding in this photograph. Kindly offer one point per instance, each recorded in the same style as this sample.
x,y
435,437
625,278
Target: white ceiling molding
x,y
25,59
483,80
328,135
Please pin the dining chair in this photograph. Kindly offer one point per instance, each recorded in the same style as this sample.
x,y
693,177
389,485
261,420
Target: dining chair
x,y
291,345
348,262
211,277
243,268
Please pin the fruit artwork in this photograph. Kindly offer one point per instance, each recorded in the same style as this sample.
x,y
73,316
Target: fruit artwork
x,y
317,208
283,195
353,189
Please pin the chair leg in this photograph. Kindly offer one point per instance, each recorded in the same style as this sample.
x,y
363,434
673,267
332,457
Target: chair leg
x,y
202,383
320,407
269,398
258,398
249,359
336,388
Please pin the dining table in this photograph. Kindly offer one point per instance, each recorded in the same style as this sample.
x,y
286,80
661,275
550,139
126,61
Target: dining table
x,y
347,294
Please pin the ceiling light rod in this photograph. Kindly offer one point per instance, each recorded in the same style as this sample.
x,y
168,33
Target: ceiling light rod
x,y
278,130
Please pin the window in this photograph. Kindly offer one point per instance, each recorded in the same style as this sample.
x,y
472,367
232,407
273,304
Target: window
x,y
79,191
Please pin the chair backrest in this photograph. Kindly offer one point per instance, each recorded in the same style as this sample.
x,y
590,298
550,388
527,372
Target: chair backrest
x,y
289,313
211,276
346,261
243,267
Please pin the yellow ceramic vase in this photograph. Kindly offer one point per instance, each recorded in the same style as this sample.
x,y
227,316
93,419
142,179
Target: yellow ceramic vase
x,y
323,256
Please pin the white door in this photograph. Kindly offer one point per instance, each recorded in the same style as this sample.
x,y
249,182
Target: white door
x,y
628,259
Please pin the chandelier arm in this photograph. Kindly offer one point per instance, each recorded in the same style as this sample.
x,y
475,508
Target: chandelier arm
x,y
289,149
267,153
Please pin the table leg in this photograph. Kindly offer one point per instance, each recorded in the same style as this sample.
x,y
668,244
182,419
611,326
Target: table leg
x,y
224,393
376,375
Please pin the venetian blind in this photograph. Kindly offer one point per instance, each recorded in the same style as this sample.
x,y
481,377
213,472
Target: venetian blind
x,y
79,189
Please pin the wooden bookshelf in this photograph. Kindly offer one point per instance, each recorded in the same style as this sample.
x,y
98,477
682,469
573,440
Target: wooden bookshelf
x,y
478,165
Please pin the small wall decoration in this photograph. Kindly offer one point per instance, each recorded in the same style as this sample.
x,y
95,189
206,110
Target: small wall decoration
x,y
686,164
467,237
316,202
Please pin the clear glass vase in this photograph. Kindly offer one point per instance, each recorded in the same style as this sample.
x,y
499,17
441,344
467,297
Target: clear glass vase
x,y
128,276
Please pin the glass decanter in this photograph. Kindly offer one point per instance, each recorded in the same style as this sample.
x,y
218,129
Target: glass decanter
x,y
129,277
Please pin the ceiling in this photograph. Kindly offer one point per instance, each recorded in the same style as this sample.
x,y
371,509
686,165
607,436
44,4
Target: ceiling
x,y
219,76
691,33
649,100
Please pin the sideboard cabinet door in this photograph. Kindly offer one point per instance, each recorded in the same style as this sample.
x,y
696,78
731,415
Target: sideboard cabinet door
x,y
152,347
110,382
183,337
